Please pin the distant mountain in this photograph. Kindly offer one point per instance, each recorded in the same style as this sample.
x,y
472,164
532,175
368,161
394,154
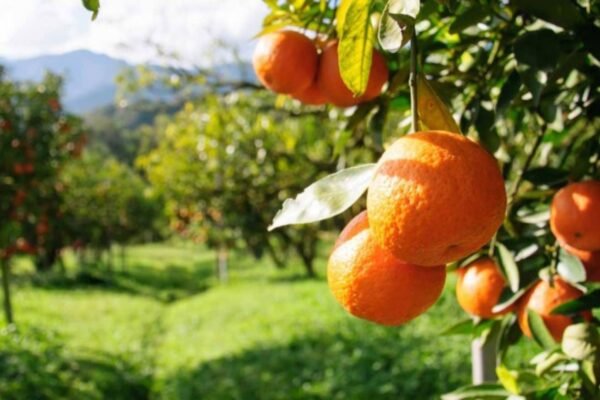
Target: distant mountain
x,y
89,77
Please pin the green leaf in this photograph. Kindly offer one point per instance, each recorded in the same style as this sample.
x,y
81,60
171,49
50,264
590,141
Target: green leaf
x,y
549,361
539,331
581,342
464,327
93,6
535,81
394,30
538,49
472,16
570,267
546,176
409,8
491,391
509,91
563,13
585,302
484,124
355,49
508,266
536,217
325,198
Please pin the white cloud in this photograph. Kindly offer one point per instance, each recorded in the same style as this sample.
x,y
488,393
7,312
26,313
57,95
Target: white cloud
x,y
125,28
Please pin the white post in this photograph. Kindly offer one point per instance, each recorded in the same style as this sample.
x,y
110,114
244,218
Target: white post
x,y
484,358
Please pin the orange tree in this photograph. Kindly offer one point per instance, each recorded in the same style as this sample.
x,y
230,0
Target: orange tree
x,y
522,78
37,138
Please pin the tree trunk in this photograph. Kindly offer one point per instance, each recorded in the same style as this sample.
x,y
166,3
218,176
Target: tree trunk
x,y
484,358
123,257
222,264
8,312
277,259
307,260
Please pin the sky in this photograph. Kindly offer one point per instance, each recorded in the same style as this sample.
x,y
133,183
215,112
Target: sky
x,y
194,30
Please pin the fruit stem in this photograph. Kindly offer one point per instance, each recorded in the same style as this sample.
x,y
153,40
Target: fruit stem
x,y
412,81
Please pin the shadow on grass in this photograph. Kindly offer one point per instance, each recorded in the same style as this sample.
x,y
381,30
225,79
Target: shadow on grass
x,y
326,367
171,283
34,365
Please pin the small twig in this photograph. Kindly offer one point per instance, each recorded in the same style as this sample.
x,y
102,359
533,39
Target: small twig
x,y
412,81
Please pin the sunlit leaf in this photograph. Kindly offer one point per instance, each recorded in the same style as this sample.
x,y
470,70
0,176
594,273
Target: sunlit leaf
x,y
355,48
325,198
508,266
581,341
508,379
570,267
432,110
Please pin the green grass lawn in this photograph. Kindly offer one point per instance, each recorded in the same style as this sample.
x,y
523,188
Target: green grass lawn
x,y
162,327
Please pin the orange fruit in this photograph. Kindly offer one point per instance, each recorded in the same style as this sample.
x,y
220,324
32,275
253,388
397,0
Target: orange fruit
x,y
435,197
372,284
543,298
590,260
331,84
311,96
285,61
575,215
479,287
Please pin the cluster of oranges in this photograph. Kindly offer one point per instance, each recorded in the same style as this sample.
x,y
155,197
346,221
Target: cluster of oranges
x,y
575,222
288,62
437,197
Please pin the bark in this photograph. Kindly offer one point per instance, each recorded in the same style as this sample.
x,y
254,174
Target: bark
x,y
8,311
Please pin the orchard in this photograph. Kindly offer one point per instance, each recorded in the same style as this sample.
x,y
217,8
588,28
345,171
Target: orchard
x,y
420,156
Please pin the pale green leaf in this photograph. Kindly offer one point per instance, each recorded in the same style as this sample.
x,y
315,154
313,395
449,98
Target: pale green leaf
x,y
326,198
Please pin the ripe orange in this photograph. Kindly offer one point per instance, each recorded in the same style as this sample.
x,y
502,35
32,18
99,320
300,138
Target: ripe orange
x,y
372,284
543,298
590,260
331,84
436,197
575,215
285,61
311,96
479,287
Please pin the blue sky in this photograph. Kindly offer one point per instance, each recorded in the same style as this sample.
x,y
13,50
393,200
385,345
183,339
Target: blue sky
x,y
130,29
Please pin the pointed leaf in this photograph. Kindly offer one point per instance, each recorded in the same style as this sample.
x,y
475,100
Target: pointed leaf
x,y
394,31
464,327
326,198
539,331
509,91
432,110
355,49
472,16
570,267
508,379
509,267
563,13
585,302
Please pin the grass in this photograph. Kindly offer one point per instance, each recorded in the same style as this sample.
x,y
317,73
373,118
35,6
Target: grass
x,y
161,327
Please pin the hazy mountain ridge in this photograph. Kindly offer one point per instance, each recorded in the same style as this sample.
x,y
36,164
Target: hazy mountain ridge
x,y
90,77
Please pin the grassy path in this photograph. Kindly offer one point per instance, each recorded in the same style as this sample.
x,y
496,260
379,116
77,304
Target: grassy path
x,y
162,328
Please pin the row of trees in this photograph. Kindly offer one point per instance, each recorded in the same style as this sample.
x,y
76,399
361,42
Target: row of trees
x,y
51,196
